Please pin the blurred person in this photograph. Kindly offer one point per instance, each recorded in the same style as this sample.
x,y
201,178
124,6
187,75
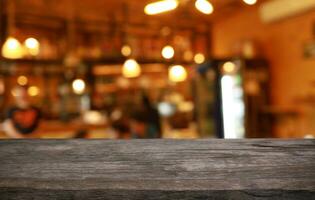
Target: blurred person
x,y
122,129
22,119
120,123
153,115
141,127
179,121
81,134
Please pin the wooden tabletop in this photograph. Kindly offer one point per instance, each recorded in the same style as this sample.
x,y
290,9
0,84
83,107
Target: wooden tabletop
x,y
157,169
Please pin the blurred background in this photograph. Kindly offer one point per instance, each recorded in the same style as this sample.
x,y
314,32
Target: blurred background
x,y
122,69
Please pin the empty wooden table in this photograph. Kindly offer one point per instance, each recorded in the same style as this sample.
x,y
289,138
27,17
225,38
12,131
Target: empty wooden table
x,y
157,169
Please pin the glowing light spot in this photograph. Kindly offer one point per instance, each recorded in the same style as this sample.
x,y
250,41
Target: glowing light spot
x,y
131,69
78,86
168,52
229,67
22,80
12,49
160,7
177,73
32,46
204,6
33,91
250,2
199,58
126,50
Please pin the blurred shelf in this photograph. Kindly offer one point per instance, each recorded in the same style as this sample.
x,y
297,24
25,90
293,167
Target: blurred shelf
x,y
255,62
29,61
281,112
89,62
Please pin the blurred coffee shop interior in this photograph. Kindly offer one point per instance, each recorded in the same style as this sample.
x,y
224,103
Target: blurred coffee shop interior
x,y
121,69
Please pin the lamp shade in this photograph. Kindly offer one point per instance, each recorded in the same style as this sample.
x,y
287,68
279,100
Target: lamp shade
x,y
131,69
177,73
12,49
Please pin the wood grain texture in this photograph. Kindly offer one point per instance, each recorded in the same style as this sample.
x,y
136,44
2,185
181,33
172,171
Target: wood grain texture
x,y
157,169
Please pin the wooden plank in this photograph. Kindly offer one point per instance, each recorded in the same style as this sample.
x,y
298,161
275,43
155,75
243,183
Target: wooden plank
x,y
157,169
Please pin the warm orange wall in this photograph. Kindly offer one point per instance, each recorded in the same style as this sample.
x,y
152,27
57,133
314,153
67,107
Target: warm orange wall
x,y
281,43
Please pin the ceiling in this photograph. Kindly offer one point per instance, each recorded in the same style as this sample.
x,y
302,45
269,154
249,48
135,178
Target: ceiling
x,y
95,13
130,9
